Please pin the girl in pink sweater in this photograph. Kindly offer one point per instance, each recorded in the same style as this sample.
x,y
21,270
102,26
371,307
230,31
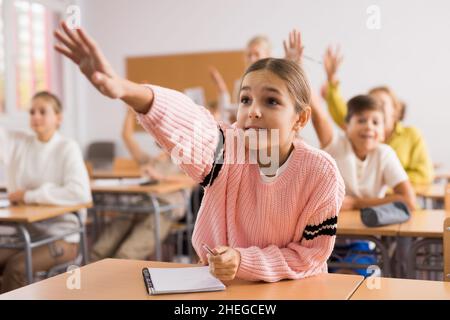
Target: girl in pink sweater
x,y
266,220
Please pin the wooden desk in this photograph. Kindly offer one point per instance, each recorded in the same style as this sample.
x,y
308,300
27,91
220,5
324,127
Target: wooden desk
x,y
116,174
20,216
350,224
178,184
432,191
425,224
163,187
430,194
442,175
403,289
122,279
30,214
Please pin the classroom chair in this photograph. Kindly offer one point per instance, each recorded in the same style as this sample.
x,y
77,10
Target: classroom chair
x,y
101,154
447,249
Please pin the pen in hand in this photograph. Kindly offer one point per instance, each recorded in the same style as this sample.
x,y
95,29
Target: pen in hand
x,y
208,249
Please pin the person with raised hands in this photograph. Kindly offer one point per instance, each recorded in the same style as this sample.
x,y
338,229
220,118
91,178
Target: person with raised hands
x,y
268,217
407,141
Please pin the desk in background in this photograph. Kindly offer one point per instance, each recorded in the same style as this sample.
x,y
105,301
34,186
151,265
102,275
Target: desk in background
x,y
425,225
183,184
20,216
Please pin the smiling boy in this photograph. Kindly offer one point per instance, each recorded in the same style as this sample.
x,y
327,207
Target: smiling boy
x,y
368,167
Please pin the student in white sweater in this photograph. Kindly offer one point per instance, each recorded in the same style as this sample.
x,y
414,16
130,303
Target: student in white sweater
x,y
368,166
42,168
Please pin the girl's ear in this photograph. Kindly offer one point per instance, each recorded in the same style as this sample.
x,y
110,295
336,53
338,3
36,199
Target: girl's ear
x,y
303,118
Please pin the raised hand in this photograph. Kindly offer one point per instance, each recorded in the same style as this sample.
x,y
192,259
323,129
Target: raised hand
x,y
332,61
218,80
293,48
84,52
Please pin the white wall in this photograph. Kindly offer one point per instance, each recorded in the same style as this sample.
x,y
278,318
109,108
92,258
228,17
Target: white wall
x,y
410,52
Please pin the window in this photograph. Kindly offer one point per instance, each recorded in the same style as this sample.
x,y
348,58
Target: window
x,y
33,64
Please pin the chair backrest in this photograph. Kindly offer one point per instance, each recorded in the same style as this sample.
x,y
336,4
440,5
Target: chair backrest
x,y
447,250
125,164
101,154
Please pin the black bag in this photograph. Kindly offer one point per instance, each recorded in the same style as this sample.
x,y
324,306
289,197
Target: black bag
x,y
391,213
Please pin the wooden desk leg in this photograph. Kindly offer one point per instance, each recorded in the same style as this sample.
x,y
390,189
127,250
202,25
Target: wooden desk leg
x,y
157,212
28,257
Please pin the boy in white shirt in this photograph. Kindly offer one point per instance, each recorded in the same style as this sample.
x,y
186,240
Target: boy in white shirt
x,y
368,167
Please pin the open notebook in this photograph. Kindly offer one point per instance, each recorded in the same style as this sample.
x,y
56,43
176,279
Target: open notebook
x,y
4,203
180,280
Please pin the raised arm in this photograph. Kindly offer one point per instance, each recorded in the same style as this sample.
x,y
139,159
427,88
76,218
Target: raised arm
x,y
139,155
184,129
321,122
84,52
223,94
336,103
293,47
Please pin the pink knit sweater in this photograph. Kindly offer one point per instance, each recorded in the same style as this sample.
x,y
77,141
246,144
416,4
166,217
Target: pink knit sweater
x,y
284,229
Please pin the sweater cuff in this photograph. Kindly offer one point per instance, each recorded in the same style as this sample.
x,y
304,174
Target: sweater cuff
x,y
246,268
30,197
157,110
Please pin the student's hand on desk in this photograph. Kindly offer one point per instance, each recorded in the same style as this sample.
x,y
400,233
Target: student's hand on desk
x,y
332,61
17,197
349,203
294,48
225,264
84,52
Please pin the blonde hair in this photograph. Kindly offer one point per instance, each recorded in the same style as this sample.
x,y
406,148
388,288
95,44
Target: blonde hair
x,y
261,40
51,98
292,74
399,107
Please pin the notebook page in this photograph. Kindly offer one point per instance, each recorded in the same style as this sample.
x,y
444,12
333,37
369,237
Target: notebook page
x,y
176,280
4,203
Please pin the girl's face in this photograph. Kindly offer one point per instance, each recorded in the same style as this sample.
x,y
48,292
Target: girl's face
x,y
43,118
365,131
389,111
255,52
266,106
